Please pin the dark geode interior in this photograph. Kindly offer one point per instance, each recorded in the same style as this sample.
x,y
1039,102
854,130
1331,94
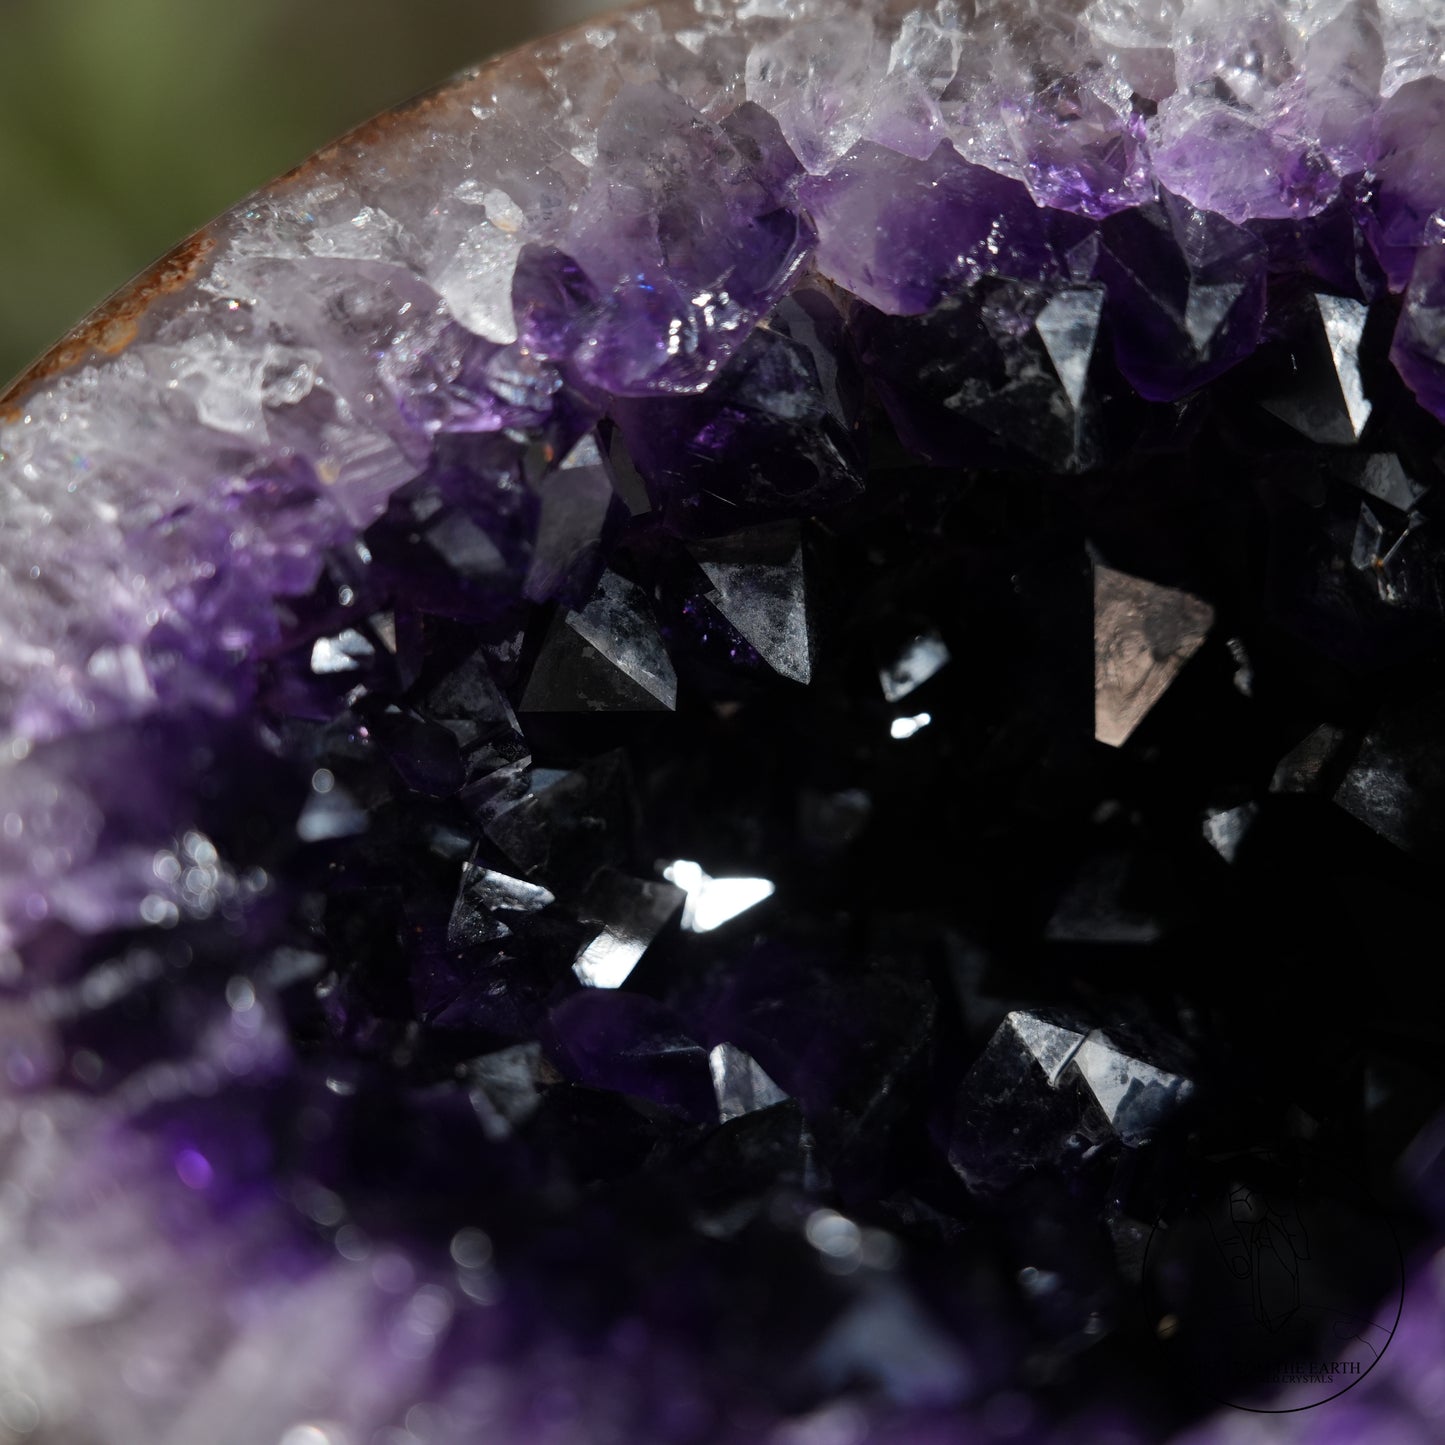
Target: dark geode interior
x,y
458,791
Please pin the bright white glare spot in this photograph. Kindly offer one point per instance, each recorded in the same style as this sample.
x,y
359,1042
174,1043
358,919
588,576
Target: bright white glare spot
x,y
833,1234
905,727
344,653
319,1434
711,902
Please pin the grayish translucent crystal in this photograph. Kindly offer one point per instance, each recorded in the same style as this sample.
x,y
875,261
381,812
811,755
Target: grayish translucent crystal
x,y
1143,635
1299,771
632,912
1053,1045
490,889
1344,323
1382,475
607,657
506,1087
332,814
1069,326
740,1083
618,622
920,659
1225,828
1206,309
759,586
1134,1095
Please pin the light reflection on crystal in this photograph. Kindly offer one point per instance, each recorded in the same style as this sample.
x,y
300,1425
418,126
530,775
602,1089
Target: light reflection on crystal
x,y
632,912
1135,1096
1225,829
711,902
922,658
344,653
1069,326
760,589
330,814
316,1434
907,727
1344,322
609,959
740,1083
1051,1044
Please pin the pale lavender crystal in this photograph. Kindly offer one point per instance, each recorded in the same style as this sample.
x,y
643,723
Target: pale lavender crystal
x,y
1408,162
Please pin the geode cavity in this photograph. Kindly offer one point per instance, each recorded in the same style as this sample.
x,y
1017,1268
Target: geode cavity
x,y
734,734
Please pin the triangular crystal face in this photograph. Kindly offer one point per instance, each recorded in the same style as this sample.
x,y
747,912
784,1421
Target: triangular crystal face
x,y
618,622
759,587
1225,829
482,895
1344,323
577,498
1322,394
1135,1096
471,926
1069,326
506,1087
1099,906
570,675
1395,783
489,889
581,820
1301,769
1383,475
632,912
1207,308
609,657
1143,634
1051,1044
740,1083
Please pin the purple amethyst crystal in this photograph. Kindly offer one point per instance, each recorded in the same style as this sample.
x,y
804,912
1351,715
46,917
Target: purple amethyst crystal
x,y
734,735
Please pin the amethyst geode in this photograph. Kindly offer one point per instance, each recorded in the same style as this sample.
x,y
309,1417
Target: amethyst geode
x,y
702,736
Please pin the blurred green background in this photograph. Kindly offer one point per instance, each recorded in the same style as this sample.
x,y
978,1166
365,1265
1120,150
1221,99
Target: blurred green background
x,y
125,124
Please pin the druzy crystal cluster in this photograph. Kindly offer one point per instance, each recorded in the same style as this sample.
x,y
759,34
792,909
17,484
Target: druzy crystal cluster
x,y
692,734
